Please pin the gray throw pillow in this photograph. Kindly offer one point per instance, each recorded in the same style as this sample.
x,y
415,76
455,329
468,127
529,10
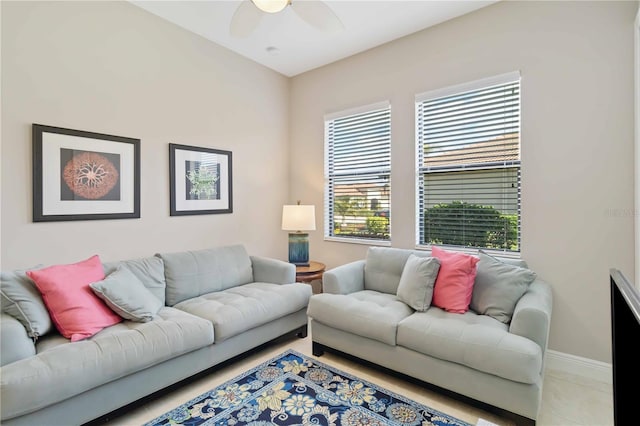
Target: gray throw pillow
x,y
21,299
417,281
125,294
498,287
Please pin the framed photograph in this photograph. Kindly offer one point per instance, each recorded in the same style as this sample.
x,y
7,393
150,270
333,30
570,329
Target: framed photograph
x,y
200,180
80,175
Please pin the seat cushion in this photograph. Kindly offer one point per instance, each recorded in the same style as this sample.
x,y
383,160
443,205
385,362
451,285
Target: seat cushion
x,y
62,369
366,313
477,341
242,308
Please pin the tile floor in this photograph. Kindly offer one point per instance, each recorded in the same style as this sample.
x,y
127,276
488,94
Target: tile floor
x,y
567,400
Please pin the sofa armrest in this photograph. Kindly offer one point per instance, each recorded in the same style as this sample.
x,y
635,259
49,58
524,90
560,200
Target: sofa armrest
x,y
268,270
344,279
532,315
15,344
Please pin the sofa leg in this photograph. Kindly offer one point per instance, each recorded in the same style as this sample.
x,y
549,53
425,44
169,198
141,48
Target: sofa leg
x,y
525,421
516,418
302,332
317,349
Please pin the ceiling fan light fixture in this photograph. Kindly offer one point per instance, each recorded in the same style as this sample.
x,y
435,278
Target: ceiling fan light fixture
x,y
271,6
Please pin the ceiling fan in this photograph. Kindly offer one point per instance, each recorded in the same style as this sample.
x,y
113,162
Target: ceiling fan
x,y
250,12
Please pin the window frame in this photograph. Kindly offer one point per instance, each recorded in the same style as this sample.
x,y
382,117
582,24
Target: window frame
x,y
453,90
327,212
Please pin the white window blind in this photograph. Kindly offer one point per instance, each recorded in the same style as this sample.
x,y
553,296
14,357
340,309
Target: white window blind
x,y
468,165
357,172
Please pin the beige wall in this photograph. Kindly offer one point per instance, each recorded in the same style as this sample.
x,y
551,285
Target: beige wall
x,y
576,62
110,67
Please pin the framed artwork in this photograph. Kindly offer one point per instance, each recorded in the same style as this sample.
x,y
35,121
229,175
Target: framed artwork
x,y
200,180
80,175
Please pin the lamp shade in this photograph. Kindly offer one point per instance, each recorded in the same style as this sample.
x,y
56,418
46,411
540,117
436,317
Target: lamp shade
x,y
298,218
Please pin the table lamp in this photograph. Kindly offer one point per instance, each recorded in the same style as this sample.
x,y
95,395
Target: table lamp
x,y
299,218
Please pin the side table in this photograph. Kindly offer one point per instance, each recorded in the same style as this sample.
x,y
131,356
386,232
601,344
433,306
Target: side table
x,y
306,274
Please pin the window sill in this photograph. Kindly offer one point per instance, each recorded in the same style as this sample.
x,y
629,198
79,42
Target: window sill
x,y
363,241
470,250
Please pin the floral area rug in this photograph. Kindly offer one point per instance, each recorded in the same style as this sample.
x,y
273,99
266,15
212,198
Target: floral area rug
x,y
292,389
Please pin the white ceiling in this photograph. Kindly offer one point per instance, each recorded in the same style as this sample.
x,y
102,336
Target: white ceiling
x,y
301,47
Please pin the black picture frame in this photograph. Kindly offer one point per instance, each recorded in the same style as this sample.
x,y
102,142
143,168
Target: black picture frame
x,y
81,175
201,180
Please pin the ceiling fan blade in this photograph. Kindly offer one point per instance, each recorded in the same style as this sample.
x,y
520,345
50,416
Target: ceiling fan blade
x,y
318,15
245,19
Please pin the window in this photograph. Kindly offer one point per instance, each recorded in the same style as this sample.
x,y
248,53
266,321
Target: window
x,y
468,165
357,171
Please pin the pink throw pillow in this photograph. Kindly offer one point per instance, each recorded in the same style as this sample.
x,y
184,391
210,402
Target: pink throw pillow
x,y
454,283
75,310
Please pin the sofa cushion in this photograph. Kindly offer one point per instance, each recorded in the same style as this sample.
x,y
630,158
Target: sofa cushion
x,y
61,369
384,266
193,273
454,284
125,294
149,270
498,287
21,299
417,280
242,308
476,341
366,313
512,261
14,341
76,312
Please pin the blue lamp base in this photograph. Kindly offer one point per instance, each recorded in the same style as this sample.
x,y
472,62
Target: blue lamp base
x,y
299,249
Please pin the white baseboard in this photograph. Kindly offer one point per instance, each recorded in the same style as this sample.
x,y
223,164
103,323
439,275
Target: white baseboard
x,y
584,367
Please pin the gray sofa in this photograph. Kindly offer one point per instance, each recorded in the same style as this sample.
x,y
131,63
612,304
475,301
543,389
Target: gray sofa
x,y
216,305
496,364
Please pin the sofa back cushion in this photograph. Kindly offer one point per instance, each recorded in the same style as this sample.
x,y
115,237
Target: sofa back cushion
x,y
194,273
20,298
149,270
384,265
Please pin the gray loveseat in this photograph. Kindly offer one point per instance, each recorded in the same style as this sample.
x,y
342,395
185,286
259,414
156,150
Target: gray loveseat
x,y
216,304
499,364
